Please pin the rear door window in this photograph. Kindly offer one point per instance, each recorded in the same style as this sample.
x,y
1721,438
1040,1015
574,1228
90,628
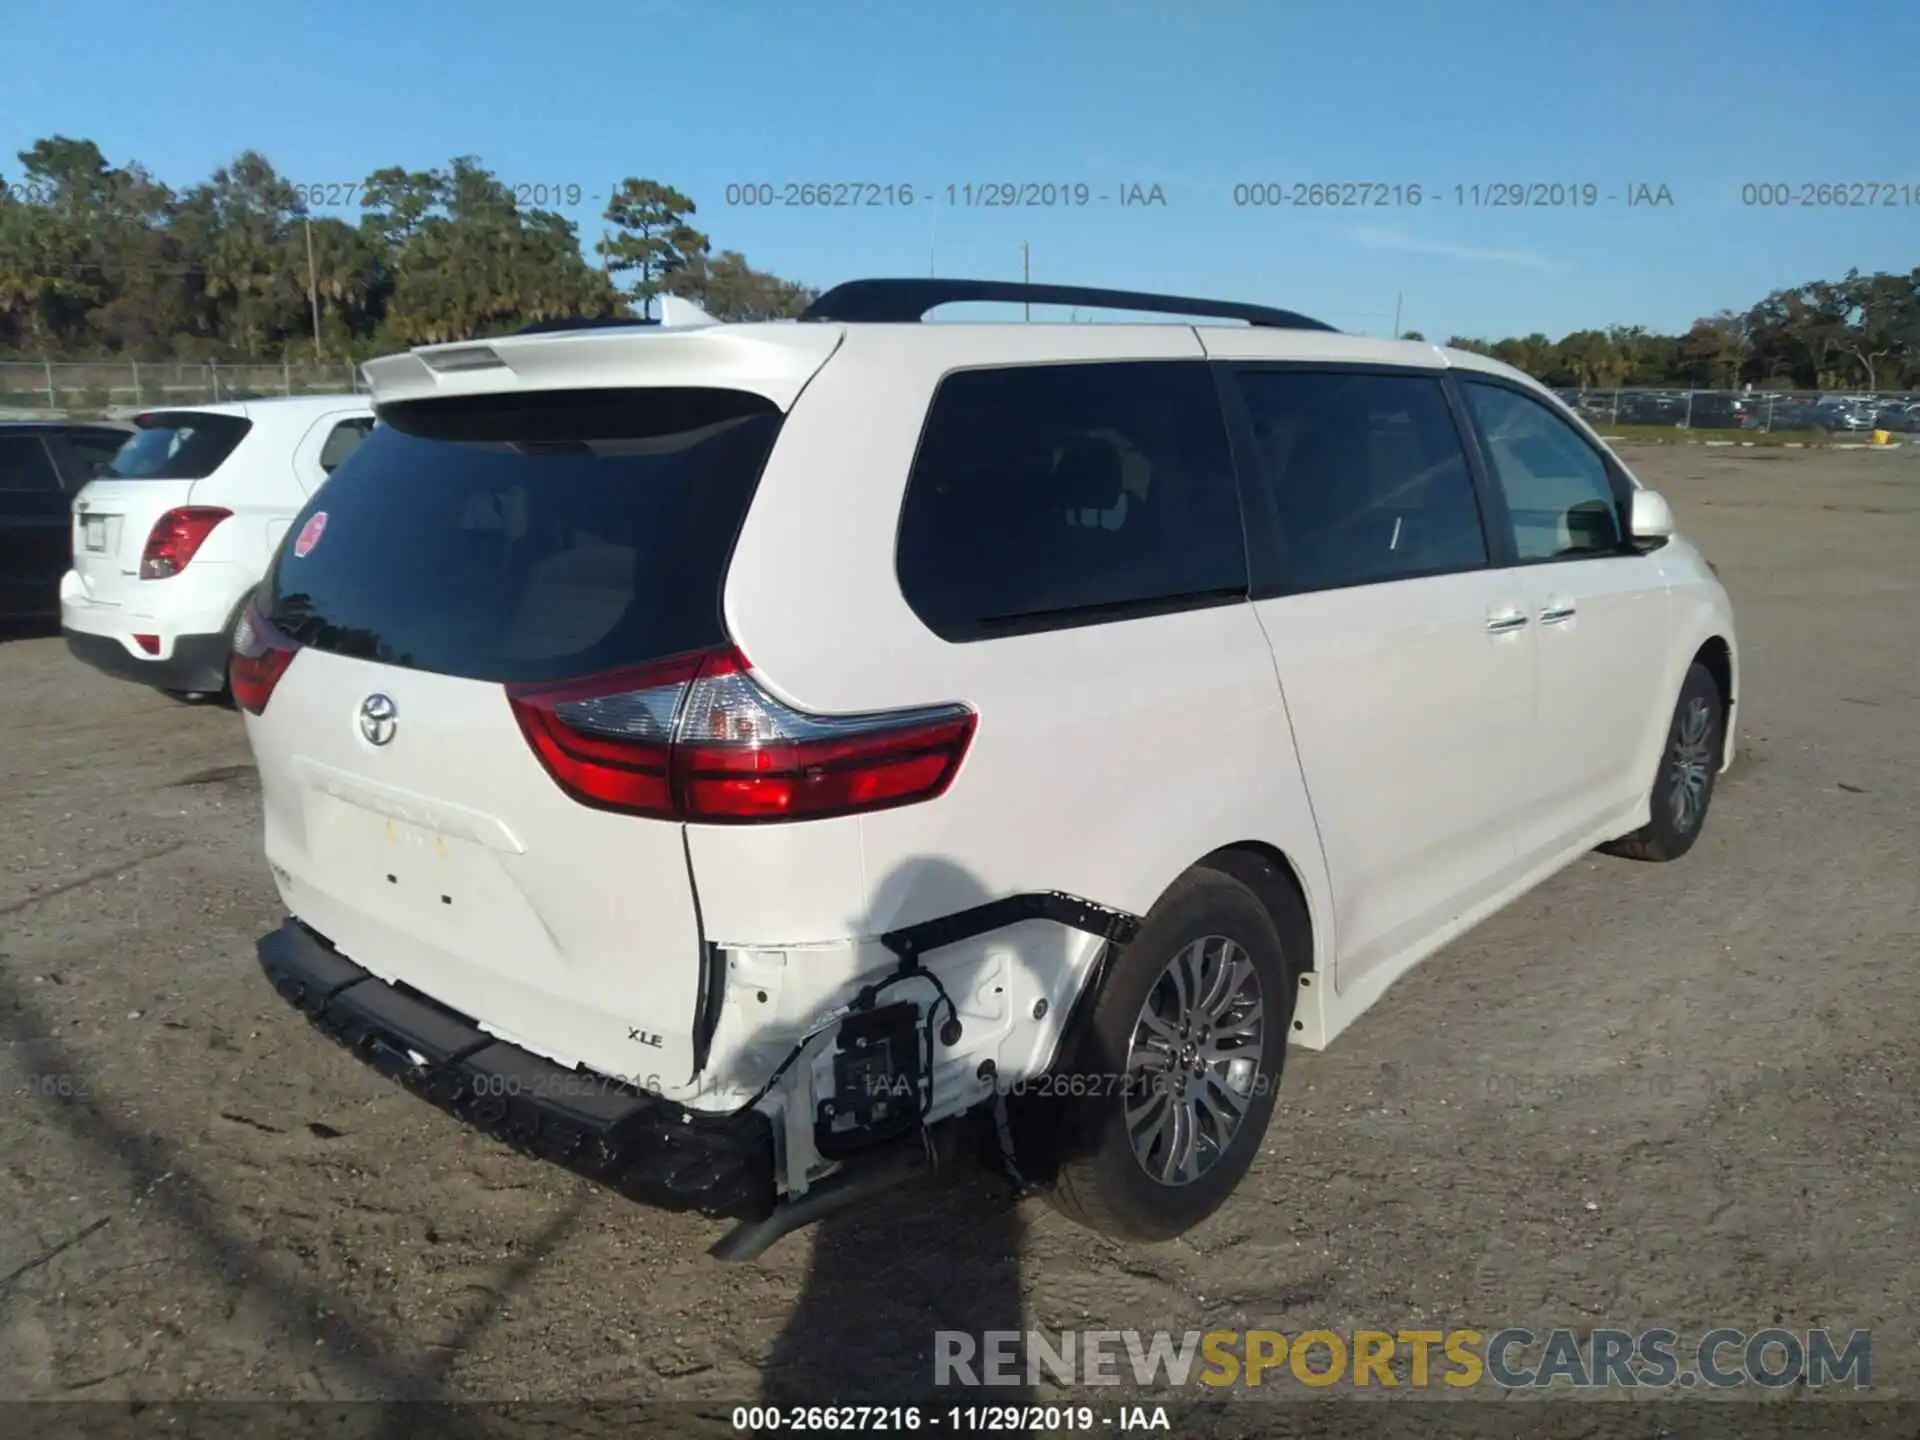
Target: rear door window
x,y
1053,495
1363,478
527,538
178,445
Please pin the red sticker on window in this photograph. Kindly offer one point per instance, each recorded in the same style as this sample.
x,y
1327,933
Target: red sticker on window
x,y
309,535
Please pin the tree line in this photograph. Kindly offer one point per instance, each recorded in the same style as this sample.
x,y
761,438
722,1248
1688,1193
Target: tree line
x,y
1858,332
104,260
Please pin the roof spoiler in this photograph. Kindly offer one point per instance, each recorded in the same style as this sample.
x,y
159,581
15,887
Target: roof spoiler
x,y
675,314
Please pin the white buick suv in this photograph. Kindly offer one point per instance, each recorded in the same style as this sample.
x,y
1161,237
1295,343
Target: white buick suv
x,y
725,757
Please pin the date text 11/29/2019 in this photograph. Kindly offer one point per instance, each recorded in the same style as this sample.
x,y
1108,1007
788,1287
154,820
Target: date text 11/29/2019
x,y
967,195
955,1419
1485,195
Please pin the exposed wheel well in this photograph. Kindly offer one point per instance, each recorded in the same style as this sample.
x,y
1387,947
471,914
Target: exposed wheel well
x,y
1265,870
1717,657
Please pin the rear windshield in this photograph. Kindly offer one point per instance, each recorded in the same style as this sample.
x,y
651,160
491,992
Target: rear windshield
x,y
537,538
178,445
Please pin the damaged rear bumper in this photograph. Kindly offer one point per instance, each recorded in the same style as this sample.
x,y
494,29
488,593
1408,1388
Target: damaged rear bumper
x,y
643,1145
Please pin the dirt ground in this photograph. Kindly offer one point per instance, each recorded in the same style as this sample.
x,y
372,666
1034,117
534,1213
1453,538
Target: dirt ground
x,y
1647,1095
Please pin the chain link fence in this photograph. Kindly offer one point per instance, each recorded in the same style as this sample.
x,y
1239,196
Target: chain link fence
x,y
1811,411
94,388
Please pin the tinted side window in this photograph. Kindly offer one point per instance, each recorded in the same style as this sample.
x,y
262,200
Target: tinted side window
x,y
1366,474
24,465
1560,499
1063,494
342,440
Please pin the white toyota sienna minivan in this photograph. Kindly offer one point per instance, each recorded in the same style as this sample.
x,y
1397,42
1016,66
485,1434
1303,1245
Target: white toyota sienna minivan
x,y
719,756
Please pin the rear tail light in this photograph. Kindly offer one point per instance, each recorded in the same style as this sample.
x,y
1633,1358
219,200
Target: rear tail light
x,y
175,537
261,654
696,738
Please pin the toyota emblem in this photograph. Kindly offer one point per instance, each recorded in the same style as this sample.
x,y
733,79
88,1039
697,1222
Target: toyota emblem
x,y
379,718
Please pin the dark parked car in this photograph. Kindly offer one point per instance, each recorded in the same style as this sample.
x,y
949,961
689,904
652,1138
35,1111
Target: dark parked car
x,y
43,464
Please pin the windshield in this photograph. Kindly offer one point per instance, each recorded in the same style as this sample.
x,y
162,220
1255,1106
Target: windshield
x,y
181,445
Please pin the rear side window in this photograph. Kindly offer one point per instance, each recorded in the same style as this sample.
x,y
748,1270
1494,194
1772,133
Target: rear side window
x,y
178,445
1365,479
528,538
24,464
343,440
1057,495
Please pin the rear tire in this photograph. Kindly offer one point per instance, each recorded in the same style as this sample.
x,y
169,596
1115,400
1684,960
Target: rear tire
x,y
1179,1066
1683,786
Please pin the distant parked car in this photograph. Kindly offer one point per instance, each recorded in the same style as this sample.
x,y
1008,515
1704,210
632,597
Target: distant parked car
x,y
43,464
171,540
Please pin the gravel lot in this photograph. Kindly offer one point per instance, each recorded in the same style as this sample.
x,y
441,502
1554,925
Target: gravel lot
x,y
1675,1095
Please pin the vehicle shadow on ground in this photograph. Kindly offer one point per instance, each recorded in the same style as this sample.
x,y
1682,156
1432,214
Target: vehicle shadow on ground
x,y
153,1174
940,1253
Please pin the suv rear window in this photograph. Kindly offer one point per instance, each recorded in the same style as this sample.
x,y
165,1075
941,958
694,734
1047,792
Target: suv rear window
x,y
528,538
1053,495
178,445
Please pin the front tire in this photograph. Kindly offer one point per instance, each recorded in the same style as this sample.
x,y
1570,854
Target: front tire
x,y
1689,763
1172,1092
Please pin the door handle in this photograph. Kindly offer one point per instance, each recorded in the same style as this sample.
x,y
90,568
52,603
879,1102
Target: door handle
x,y
1505,621
1556,614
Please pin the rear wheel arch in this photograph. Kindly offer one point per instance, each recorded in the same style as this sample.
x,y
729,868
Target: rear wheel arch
x,y
1272,876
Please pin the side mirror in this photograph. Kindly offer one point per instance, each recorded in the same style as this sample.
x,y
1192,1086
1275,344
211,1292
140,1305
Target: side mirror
x,y
1650,521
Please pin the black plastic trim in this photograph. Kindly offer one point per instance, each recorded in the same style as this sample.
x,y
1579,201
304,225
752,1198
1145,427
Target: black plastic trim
x,y
908,301
637,1142
910,942
198,663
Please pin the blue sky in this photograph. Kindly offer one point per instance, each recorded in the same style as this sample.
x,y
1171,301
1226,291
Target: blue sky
x,y
1196,97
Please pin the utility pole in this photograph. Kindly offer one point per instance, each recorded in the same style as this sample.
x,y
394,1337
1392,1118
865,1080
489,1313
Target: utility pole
x,y
1396,314
1026,278
313,292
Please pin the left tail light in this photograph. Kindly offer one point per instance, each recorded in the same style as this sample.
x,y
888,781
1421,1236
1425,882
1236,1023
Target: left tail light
x,y
697,738
175,538
261,654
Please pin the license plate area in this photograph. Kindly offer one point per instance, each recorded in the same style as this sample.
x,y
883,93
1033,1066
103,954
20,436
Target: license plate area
x,y
401,869
94,529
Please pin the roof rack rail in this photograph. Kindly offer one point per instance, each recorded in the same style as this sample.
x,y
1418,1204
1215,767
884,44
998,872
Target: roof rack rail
x,y
898,301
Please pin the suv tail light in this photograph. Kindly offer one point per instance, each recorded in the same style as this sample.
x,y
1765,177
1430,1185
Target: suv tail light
x,y
175,537
261,654
696,738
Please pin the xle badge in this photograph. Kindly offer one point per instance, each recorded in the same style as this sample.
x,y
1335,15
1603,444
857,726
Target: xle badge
x,y
644,1037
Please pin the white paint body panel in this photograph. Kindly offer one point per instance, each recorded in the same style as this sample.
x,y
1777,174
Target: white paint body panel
x,y
264,482
1417,771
